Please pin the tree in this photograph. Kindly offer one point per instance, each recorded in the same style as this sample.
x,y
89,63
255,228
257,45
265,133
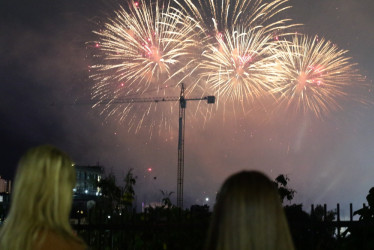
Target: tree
x,y
106,205
284,192
311,231
166,202
362,236
367,213
110,191
128,191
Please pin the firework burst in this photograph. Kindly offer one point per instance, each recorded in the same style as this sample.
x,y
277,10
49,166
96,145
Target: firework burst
x,y
314,75
235,62
239,67
140,51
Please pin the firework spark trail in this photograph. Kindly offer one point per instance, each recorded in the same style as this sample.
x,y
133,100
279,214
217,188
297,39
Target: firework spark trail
x,y
226,14
240,68
141,49
315,75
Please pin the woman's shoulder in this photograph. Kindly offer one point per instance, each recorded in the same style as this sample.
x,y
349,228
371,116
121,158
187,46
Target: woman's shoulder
x,y
53,240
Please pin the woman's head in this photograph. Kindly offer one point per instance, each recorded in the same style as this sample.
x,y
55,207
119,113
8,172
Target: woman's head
x,y
41,199
43,187
249,215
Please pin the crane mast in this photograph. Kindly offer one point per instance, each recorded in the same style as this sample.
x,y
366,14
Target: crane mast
x,y
180,174
182,113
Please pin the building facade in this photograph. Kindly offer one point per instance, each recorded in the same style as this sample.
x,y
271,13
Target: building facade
x,y
5,186
87,179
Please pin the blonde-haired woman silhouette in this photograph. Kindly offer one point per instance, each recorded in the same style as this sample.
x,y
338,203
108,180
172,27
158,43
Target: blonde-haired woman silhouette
x,y
41,202
248,215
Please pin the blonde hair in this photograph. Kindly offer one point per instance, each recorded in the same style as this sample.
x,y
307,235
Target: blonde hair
x,y
41,199
248,215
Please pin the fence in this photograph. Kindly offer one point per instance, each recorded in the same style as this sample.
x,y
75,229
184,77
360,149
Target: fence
x,y
319,232
339,224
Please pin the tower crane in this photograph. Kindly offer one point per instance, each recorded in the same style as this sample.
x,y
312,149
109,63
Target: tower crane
x,y
182,113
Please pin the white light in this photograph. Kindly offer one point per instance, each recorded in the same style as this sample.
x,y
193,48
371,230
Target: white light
x,y
74,190
207,199
108,216
86,191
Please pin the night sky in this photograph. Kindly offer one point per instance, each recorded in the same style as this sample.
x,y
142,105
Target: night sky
x,y
43,74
